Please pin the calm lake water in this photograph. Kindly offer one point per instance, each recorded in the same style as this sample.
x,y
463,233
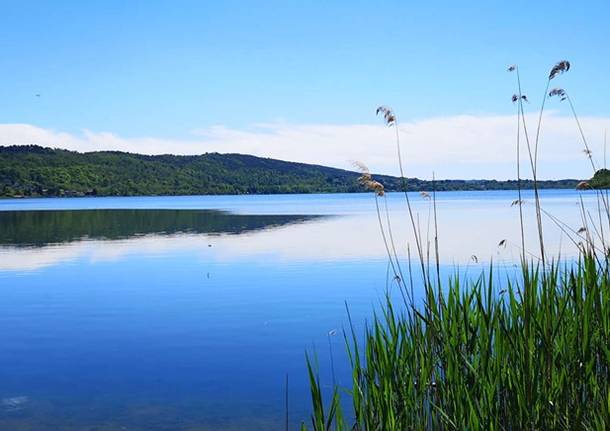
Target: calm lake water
x,y
187,313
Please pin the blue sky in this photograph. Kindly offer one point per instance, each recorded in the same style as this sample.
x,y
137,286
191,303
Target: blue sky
x,y
165,70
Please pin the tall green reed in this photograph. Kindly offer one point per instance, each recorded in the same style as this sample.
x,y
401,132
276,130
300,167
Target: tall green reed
x,y
532,352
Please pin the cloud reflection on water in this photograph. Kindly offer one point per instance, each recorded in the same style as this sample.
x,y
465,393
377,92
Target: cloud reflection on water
x,y
466,228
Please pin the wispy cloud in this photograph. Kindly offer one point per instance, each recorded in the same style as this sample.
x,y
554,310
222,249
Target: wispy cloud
x,y
463,146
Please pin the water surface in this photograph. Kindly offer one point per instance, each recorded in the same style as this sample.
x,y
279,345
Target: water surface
x,y
187,313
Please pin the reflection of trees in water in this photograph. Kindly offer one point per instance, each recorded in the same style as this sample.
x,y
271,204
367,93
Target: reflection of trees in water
x,y
37,228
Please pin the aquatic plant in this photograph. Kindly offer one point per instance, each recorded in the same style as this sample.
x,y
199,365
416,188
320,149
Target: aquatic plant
x,y
480,357
530,352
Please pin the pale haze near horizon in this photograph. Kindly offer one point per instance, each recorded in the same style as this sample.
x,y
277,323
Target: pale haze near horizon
x,y
301,82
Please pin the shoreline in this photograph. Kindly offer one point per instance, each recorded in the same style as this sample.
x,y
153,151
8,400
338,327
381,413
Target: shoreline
x,y
2,198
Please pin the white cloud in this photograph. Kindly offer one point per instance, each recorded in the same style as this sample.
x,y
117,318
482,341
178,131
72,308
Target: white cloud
x,y
463,146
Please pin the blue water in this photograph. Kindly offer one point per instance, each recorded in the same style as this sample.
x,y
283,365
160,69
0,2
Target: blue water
x,y
332,203
196,329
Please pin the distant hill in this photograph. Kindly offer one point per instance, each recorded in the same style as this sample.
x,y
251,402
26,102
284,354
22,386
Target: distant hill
x,y
31,170
601,179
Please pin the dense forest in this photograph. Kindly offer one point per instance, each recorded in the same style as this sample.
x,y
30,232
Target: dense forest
x,y
31,170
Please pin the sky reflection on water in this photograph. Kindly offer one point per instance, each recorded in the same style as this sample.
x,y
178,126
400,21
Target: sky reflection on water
x,y
194,323
470,224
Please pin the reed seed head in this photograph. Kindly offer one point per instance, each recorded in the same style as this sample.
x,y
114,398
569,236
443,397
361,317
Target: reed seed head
x,y
559,92
361,167
512,68
388,115
583,185
365,174
376,187
366,179
517,97
559,68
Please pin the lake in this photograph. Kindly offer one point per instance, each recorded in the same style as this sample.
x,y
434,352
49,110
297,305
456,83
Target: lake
x,y
188,313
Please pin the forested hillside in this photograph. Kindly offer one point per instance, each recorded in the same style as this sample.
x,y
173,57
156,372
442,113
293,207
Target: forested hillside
x,y
601,179
36,171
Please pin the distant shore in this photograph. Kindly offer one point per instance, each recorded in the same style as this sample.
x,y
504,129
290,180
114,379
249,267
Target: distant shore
x,y
34,171
262,194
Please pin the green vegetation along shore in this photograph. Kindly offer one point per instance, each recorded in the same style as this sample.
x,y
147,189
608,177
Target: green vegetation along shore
x,y
528,354
31,170
601,179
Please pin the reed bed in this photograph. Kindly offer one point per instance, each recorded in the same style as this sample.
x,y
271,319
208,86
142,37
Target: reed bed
x,y
533,355
530,352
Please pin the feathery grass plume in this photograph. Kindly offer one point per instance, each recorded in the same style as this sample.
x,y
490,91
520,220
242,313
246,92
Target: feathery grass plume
x,y
376,187
559,68
559,92
361,167
517,97
365,174
367,181
388,115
